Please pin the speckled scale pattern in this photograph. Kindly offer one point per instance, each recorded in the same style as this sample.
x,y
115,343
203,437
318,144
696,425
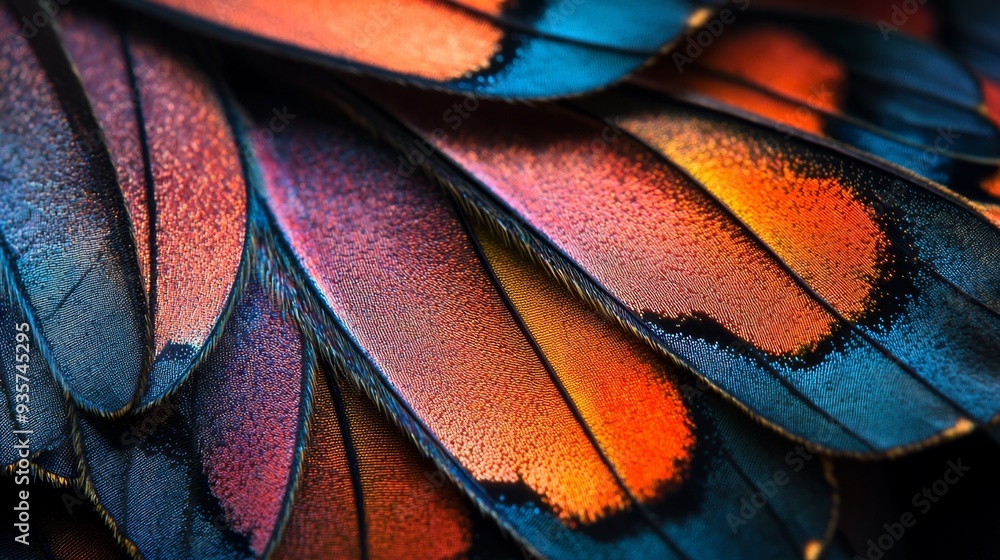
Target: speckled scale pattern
x,y
612,378
531,49
647,235
643,413
324,516
842,227
410,508
368,261
97,52
837,92
190,262
36,389
65,233
250,400
208,472
405,285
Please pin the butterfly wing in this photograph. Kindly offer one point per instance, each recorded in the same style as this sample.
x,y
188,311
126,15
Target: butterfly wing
x,y
879,91
67,250
160,116
530,49
593,194
438,321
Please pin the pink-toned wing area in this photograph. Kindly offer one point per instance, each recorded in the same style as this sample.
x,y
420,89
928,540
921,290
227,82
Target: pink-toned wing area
x,y
422,38
210,471
191,231
395,267
323,521
249,403
409,511
614,207
97,50
554,419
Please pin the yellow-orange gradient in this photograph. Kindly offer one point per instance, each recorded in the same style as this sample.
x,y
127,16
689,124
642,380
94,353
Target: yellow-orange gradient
x,y
643,230
796,203
424,38
409,511
621,388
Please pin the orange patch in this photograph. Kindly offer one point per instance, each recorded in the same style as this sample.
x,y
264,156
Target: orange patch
x,y
991,95
642,229
991,184
406,515
491,7
782,61
784,112
798,208
621,388
423,38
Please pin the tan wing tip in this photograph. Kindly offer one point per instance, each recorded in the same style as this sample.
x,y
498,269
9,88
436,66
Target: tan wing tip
x,y
812,550
699,17
963,426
